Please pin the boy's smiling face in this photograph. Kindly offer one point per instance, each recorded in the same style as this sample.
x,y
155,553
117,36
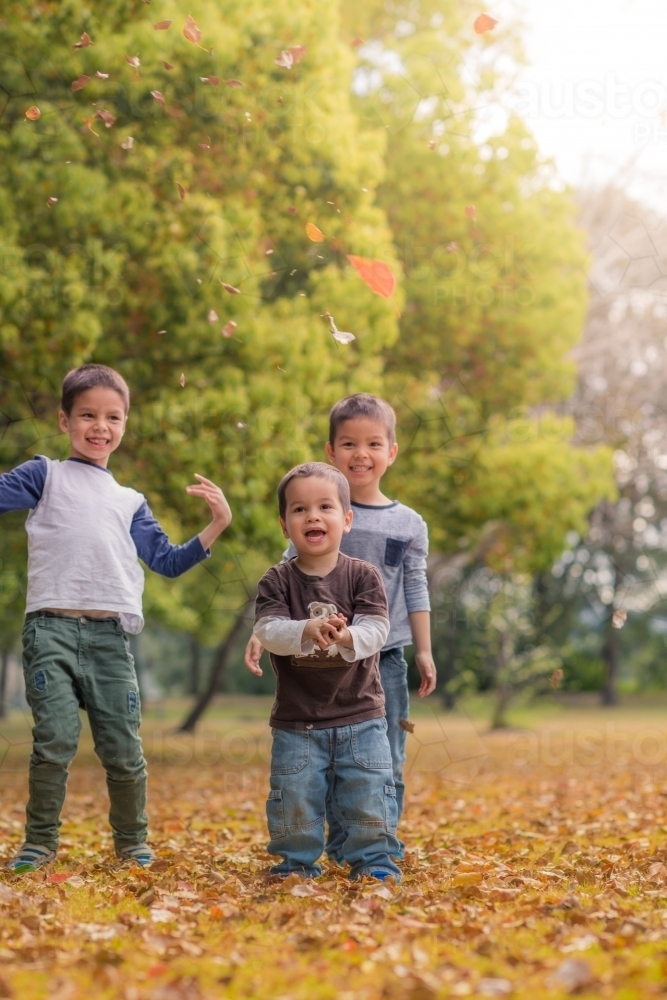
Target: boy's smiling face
x,y
314,520
95,425
362,452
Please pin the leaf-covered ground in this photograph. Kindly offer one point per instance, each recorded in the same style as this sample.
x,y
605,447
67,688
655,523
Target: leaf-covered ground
x,y
536,867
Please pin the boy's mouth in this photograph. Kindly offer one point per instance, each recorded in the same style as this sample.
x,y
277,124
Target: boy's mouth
x,y
315,534
361,468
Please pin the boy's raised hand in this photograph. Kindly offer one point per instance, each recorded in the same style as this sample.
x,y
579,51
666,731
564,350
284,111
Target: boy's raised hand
x,y
219,507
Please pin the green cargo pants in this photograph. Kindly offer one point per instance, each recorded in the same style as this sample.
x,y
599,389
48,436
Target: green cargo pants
x,y
72,663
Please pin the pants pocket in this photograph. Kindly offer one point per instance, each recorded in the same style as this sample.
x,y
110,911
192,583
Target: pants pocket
x,y
370,746
275,813
289,753
390,808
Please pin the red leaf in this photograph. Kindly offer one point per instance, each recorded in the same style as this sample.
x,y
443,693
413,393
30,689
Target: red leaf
x,y
162,25
59,877
484,23
377,275
80,83
191,31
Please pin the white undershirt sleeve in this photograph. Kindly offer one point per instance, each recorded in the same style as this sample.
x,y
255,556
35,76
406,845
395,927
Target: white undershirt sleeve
x,y
369,634
282,636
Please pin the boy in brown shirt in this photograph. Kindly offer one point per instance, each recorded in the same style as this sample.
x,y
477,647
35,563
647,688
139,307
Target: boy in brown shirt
x,y
328,719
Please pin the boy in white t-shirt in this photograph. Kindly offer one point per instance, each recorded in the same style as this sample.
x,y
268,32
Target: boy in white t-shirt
x,y
85,586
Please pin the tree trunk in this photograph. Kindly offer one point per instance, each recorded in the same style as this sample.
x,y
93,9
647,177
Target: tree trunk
x,y
610,655
218,669
195,665
4,665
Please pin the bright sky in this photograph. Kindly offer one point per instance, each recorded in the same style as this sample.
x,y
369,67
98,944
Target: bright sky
x,y
595,90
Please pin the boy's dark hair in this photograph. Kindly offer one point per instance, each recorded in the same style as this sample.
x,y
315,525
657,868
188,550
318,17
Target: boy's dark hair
x,y
362,404
89,377
310,470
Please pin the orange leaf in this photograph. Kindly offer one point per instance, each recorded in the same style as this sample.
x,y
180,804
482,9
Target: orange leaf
x,y
59,877
485,23
191,31
313,233
33,113
377,275
181,191
162,25
297,53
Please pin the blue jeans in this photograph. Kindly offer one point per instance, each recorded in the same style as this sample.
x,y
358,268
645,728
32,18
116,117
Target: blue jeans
x,y
350,765
394,677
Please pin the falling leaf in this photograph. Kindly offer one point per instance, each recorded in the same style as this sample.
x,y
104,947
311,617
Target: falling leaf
x,y
181,191
88,122
212,316
83,42
291,210
160,333
80,83
452,247
190,30
133,61
471,212
356,42
101,76
229,329
285,59
619,618
432,143
230,288
408,726
234,84
128,144
377,275
304,890
341,336
167,65
556,677
105,116
297,53
213,80
484,23
50,202
162,25
33,113
313,233
182,380
157,96
207,144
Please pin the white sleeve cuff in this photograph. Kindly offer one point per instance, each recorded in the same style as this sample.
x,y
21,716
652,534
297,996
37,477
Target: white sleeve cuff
x,y
282,636
369,634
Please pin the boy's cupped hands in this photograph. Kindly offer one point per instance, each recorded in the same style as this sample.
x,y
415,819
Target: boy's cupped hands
x,y
329,631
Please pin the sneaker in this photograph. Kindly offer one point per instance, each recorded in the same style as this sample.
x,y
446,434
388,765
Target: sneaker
x,y
29,858
141,854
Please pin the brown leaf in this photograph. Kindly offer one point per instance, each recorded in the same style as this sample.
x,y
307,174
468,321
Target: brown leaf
x,y
556,677
128,144
133,61
408,726
162,25
190,30
5,989
356,42
105,116
181,988
304,890
313,233
656,872
212,316
147,897
167,65
619,618
213,80
234,84
297,53
181,191
206,145
484,23
570,848
80,83
291,210
83,42
229,329
182,380
471,212
33,113
467,878
285,59
157,96
571,975
101,76
230,288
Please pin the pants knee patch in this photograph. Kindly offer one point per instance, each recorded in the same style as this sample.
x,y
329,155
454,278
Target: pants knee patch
x,y
132,702
39,680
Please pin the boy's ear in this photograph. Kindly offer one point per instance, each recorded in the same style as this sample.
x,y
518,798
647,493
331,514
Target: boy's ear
x,y
393,452
63,421
283,525
347,523
330,452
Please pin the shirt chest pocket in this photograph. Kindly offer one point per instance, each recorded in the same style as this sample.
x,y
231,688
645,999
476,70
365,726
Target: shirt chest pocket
x,y
394,551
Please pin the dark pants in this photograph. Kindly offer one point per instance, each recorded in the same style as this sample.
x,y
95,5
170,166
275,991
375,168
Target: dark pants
x,y
394,678
72,663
